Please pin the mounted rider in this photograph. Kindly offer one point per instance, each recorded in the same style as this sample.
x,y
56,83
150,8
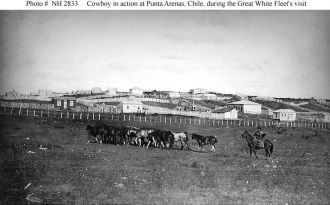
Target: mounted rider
x,y
258,137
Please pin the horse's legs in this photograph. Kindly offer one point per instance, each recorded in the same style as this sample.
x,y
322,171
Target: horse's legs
x,y
255,154
182,145
148,144
212,148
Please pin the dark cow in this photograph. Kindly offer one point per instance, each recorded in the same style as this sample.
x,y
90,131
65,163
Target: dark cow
x,y
205,140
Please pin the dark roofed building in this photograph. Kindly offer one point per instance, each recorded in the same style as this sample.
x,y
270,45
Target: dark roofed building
x,y
64,102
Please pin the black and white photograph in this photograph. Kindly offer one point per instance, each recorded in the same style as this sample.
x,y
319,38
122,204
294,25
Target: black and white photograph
x,y
164,106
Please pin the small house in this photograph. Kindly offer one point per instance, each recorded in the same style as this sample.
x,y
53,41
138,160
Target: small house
x,y
136,91
174,95
198,91
228,113
285,115
64,102
130,106
246,106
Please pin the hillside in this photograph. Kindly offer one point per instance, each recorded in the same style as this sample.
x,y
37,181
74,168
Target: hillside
x,y
316,107
158,104
277,105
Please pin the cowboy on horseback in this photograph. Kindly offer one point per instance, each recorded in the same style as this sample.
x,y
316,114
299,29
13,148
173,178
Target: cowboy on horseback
x,y
258,137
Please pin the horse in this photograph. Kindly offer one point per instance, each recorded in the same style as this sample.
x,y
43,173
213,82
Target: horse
x,y
268,146
162,138
204,140
93,134
142,136
181,137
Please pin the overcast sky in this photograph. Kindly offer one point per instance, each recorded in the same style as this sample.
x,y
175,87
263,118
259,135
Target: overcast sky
x,y
267,53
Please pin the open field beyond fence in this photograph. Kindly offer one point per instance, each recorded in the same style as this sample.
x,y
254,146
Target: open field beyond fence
x,y
46,160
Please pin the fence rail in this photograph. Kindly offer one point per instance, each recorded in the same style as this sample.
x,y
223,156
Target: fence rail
x,y
164,119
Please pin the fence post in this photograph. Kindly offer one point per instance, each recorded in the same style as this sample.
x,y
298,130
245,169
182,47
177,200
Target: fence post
x,y
19,112
12,110
134,117
145,118
67,115
213,122
73,115
124,117
165,120
252,123
61,115
93,116
99,116
190,120
199,121
41,113
87,116
129,117
80,115
222,122
248,123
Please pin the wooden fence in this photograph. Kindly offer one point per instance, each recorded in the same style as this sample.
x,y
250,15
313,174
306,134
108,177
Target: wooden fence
x,y
165,119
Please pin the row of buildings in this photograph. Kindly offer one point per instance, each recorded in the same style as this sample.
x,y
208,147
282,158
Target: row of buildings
x,y
69,101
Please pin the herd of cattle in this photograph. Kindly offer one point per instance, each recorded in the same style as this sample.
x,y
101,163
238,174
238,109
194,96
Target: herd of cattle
x,y
103,133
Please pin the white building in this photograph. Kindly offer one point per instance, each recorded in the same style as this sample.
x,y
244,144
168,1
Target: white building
x,y
96,90
208,96
228,113
130,106
246,106
174,95
48,93
198,91
326,117
285,115
136,91
112,91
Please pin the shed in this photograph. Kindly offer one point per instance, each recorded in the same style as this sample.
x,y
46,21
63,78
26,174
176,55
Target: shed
x,y
130,106
246,106
64,102
285,115
229,113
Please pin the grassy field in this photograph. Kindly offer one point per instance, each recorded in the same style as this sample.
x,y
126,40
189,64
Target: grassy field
x,y
71,171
